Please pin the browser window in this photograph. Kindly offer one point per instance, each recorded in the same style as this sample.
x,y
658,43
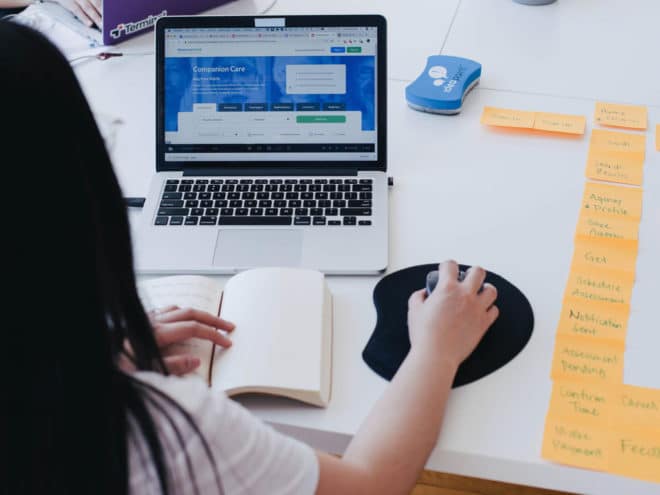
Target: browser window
x,y
270,93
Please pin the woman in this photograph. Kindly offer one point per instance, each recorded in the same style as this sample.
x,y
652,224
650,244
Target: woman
x,y
88,11
77,420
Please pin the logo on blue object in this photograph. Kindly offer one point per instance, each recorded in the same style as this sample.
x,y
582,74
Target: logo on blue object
x,y
126,28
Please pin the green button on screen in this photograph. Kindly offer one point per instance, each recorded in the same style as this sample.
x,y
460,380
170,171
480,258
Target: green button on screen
x,y
321,119
354,49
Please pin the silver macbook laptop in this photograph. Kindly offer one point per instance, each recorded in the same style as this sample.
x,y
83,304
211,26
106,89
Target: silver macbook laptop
x,y
270,146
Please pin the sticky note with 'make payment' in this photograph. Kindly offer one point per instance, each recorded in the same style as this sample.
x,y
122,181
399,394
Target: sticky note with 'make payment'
x,y
502,117
598,253
558,122
581,360
617,141
615,115
616,201
615,166
576,445
590,320
600,286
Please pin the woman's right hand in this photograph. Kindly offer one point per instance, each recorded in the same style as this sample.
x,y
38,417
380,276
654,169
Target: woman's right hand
x,y
88,11
455,316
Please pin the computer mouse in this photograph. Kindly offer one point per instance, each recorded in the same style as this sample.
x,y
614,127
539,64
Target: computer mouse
x,y
432,281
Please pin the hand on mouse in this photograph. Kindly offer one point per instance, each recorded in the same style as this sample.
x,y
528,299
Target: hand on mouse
x,y
454,317
88,11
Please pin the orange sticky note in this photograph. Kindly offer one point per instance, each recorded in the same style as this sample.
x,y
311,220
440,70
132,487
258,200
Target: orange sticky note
x,y
579,360
612,228
615,166
615,115
503,117
576,445
635,453
581,403
581,318
617,141
615,201
557,122
637,407
599,286
598,253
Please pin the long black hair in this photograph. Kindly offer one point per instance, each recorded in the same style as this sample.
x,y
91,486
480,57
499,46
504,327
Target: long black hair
x,y
67,409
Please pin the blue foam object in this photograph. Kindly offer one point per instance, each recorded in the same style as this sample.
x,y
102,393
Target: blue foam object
x,y
442,87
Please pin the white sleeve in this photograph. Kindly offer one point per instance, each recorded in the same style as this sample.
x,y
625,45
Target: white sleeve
x,y
250,456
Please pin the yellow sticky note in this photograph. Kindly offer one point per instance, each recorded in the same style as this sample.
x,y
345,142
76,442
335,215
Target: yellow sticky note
x,y
612,228
615,201
581,318
576,445
637,407
615,115
615,166
503,117
557,122
635,453
581,403
586,361
617,141
598,253
599,286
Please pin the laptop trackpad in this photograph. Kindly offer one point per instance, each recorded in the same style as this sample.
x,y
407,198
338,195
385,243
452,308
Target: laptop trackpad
x,y
244,248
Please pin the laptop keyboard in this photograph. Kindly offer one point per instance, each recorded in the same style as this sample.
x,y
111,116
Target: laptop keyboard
x,y
314,202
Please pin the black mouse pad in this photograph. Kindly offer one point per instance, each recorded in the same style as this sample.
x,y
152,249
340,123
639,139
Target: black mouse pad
x,y
389,344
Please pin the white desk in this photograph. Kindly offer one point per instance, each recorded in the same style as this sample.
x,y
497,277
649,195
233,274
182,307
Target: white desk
x,y
506,201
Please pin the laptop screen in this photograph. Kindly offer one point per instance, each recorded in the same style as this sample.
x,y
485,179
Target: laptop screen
x,y
270,94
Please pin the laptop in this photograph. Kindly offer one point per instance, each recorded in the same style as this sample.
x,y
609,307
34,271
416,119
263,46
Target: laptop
x,y
270,146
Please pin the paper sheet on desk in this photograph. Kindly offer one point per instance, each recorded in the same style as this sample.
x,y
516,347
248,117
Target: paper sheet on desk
x,y
62,28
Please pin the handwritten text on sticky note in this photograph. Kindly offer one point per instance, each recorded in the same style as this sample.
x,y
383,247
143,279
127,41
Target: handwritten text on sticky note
x,y
617,141
581,360
614,166
582,318
612,114
617,201
503,117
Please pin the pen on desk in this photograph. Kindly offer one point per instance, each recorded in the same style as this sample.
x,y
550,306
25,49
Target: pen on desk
x,y
134,202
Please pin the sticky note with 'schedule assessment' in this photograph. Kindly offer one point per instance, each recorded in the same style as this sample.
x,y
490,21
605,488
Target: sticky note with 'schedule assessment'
x,y
617,141
598,253
615,166
503,117
600,286
615,201
580,360
597,321
615,115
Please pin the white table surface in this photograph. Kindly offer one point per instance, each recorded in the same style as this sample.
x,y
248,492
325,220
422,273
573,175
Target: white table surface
x,y
507,201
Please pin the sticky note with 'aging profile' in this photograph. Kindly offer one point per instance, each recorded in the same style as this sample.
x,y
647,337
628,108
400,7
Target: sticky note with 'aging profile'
x,y
616,201
615,115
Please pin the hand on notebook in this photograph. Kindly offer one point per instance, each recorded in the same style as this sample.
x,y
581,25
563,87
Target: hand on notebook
x,y
173,325
88,11
454,318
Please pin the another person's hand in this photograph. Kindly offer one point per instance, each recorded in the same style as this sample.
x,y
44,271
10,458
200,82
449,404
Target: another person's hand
x,y
454,317
173,325
88,11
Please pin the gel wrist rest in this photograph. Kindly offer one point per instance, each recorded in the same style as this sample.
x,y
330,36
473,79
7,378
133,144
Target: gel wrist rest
x,y
389,344
443,85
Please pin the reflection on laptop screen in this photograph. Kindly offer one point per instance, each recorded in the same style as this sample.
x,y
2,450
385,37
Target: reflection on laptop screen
x,y
270,93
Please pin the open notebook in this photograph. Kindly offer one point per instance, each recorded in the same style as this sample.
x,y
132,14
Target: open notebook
x,y
282,344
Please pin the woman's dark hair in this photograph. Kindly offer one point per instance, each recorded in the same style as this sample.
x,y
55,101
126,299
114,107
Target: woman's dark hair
x,y
67,409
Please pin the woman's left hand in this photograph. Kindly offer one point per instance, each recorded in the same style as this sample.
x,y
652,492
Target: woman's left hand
x,y
173,325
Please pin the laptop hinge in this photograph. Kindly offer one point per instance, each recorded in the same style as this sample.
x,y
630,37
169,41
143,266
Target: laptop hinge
x,y
244,171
